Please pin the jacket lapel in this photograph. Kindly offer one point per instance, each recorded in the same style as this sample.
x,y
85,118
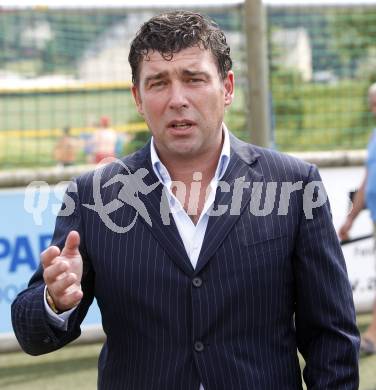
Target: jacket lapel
x,y
161,224
243,160
241,168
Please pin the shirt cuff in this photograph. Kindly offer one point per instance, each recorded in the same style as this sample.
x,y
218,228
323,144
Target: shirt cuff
x,y
60,321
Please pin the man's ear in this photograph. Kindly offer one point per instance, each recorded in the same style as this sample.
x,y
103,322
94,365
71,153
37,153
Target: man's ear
x,y
137,99
229,87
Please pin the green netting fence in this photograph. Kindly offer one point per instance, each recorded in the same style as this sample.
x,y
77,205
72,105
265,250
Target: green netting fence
x,y
64,68
322,61
68,68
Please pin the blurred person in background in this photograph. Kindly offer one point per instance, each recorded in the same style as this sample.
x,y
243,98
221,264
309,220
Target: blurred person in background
x,y
123,139
104,141
66,148
204,291
366,197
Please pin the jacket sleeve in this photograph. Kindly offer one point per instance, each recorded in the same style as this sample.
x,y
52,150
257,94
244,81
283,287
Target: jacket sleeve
x,y
327,335
34,332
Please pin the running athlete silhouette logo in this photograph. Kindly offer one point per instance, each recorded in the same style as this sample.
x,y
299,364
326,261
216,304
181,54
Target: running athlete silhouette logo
x,y
132,184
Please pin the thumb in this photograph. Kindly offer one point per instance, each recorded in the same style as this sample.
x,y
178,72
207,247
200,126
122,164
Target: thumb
x,y
72,243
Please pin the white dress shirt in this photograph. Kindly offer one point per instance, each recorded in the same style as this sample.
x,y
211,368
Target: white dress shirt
x,y
192,235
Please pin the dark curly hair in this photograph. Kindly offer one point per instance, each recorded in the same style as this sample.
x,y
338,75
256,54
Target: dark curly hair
x,y
174,31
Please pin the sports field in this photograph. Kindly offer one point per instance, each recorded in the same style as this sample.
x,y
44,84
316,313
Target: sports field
x,y
31,122
317,117
75,367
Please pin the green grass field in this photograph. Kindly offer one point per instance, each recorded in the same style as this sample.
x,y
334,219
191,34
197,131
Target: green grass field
x,y
21,113
75,367
56,110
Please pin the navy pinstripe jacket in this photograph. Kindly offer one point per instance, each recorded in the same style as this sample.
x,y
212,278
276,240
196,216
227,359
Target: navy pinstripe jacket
x,y
264,286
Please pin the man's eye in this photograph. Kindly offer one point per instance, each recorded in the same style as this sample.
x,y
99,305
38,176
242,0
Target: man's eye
x,y
195,80
157,84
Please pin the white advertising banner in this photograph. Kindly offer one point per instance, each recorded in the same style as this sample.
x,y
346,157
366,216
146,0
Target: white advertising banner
x,y
359,255
26,227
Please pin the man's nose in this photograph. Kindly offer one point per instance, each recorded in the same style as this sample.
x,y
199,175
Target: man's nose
x,y
178,97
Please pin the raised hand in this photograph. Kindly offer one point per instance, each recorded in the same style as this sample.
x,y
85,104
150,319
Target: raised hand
x,y
63,272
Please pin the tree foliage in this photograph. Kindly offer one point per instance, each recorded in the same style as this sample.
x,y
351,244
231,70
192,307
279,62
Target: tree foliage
x,y
353,33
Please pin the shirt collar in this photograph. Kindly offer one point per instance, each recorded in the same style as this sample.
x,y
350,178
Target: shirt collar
x,y
163,175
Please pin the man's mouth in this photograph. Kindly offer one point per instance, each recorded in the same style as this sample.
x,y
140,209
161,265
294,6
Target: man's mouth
x,y
181,125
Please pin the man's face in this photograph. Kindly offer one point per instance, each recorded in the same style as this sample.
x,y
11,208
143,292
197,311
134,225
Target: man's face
x,y
183,102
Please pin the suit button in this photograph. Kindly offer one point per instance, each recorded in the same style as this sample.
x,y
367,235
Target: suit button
x,y
197,282
47,340
199,346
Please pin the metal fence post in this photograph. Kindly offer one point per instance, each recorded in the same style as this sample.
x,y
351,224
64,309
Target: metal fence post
x,y
258,76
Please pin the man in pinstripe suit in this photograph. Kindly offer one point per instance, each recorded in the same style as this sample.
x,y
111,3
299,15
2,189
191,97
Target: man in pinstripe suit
x,y
236,265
